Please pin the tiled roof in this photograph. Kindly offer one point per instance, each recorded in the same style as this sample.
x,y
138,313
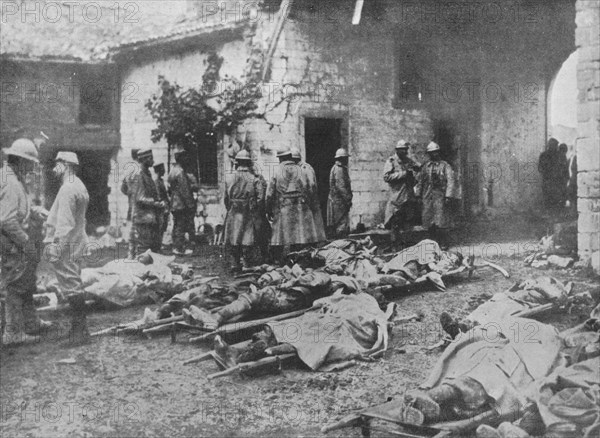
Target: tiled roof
x,y
39,31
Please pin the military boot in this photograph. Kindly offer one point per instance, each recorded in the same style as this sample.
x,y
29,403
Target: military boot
x,y
78,333
13,325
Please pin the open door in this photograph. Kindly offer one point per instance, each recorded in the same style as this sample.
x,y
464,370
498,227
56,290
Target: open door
x,y
322,138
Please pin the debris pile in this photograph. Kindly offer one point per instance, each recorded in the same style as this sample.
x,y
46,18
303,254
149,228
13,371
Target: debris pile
x,y
558,250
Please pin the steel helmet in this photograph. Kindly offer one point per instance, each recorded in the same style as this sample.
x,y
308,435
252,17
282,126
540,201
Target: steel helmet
x,y
284,151
402,144
67,157
296,153
243,155
23,148
433,147
341,153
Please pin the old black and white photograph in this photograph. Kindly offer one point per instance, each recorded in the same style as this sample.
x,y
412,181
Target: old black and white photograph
x,y
300,218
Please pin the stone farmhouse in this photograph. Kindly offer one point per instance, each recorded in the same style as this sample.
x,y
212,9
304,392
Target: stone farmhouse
x,y
358,74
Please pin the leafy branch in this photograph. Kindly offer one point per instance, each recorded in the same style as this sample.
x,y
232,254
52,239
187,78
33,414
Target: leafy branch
x,y
184,116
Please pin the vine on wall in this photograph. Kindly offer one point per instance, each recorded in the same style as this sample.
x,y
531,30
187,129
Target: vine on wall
x,y
219,105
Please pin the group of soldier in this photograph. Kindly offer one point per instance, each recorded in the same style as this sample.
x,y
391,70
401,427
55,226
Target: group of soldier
x,y
22,242
559,177
432,183
276,217
286,212
288,206
150,202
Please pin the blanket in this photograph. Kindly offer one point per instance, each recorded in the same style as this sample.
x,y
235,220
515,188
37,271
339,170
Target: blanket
x,y
343,327
126,282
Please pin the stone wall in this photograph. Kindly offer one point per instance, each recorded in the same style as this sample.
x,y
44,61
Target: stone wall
x,y
350,75
185,69
484,76
588,145
40,96
328,71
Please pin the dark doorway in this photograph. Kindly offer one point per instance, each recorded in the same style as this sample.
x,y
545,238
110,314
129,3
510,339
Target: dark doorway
x,y
203,160
94,171
322,138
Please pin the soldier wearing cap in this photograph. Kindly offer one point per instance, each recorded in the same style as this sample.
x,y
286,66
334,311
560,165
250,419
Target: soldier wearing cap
x,y
310,179
182,186
132,170
246,223
436,187
18,247
400,174
163,195
67,240
289,206
147,206
339,201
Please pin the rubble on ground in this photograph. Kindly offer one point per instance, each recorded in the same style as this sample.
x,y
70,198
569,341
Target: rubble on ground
x,y
558,250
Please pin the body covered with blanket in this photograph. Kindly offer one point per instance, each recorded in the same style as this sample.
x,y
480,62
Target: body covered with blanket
x,y
339,328
125,282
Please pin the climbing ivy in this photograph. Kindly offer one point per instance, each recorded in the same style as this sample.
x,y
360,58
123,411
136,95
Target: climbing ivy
x,y
184,116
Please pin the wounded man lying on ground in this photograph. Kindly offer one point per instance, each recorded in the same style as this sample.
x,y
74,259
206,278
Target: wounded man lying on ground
x,y
489,367
523,296
296,294
338,328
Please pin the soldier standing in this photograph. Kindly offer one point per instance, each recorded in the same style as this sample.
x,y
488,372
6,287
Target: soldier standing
x,y
163,195
289,201
310,179
18,249
436,186
147,207
183,204
339,201
67,239
400,173
245,203
127,190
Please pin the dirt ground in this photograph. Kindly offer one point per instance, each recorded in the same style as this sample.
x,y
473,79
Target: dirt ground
x,y
130,387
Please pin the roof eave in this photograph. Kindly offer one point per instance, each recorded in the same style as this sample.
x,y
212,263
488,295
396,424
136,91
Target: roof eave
x,y
24,57
177,42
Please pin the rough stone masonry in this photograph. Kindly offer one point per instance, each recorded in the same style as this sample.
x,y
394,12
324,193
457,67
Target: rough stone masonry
x,y
588,145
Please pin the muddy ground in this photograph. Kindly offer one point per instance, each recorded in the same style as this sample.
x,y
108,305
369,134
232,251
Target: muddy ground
x,y
130,387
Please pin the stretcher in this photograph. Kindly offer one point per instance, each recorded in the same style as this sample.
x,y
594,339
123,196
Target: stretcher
x,y
396,417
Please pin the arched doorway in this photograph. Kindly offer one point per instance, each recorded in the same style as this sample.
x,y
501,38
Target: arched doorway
x,y
562,122
562,103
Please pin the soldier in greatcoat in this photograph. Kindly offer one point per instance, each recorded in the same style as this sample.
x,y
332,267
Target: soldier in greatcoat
x,y
133,168
18,246
400,173
310,178
290,207
339,201
436,187
147,207
182,186
245,224
163,195
67,240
